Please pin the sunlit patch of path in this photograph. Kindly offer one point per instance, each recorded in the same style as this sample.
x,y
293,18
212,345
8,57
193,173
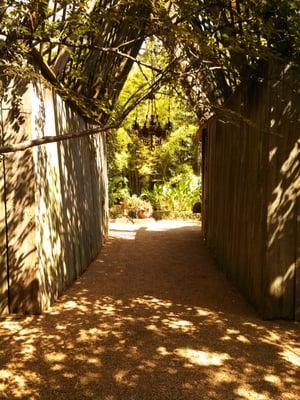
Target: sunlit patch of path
x,y
152,318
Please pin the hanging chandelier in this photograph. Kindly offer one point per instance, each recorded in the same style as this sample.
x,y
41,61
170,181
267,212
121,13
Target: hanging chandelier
x,y
151,131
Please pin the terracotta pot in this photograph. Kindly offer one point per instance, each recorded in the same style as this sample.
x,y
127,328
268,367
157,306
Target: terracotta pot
x,y
141,213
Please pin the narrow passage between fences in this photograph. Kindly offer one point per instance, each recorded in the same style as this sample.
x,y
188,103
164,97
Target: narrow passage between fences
x,y
151,318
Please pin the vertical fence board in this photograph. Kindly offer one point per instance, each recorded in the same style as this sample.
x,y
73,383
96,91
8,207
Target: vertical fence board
x,y
3,260
251,190
297,264
57,208
282,190
20,203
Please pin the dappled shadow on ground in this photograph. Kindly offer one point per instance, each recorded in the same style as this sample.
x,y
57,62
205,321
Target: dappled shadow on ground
x,y
152,318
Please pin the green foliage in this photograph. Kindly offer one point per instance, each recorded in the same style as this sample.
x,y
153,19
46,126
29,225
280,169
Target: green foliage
x,y
207,47
164,173
118,189
128,153
170,163
132,206
218,44
176,153
179,193
61,41
135,203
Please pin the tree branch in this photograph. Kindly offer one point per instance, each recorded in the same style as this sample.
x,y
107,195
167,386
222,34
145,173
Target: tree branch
x,y
13,148
127,107
114,50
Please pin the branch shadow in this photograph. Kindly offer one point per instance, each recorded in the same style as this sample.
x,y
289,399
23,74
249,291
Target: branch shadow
x,y
152,318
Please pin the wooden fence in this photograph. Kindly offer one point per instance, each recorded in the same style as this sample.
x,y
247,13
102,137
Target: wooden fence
x,y
53,199
251,190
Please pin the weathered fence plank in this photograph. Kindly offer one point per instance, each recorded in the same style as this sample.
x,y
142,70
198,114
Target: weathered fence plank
x,y
3,260
251,189
283,190
57,207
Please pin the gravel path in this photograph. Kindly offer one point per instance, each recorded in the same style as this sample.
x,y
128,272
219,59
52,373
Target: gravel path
x,y
152,318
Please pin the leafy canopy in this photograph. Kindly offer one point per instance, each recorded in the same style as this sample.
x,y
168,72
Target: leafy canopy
x,y
86,48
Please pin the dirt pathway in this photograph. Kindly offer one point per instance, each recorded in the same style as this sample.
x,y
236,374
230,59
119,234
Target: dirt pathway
x,y
152,318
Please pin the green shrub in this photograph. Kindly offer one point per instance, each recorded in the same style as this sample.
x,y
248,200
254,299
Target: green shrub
x,y
132,206
137,207
117,189
178,195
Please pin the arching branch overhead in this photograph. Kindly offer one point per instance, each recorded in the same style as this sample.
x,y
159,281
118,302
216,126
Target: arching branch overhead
x,y
86,47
